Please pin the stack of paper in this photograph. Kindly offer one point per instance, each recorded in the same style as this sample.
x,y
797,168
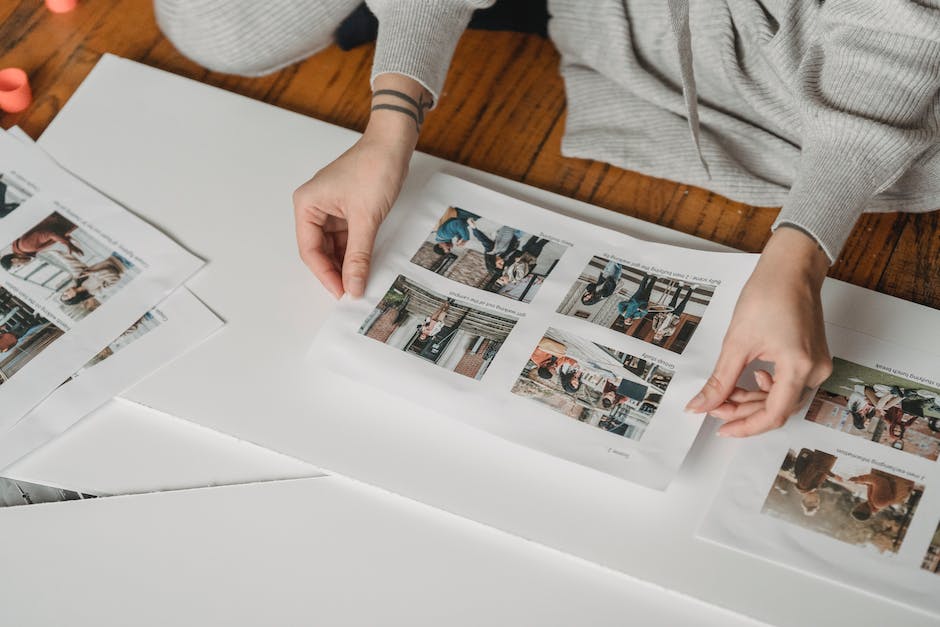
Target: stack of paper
x,y
90,299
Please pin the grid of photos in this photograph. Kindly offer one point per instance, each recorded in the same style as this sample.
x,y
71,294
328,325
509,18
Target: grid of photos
x,y
14,493
13,193
880,407
24,333
658,310
595,385
931,561
73,269
446,332
484,254
844,498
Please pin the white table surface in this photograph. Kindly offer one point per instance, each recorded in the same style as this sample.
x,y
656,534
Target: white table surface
x,y
217,173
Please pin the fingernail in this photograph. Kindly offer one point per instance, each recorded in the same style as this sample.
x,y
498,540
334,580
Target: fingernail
x,y
695,403
722,434
356,287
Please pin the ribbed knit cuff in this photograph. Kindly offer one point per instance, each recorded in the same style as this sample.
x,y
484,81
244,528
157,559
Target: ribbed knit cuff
x,y
832,189
417,38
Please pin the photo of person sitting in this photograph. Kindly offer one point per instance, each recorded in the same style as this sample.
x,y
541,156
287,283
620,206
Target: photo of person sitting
x,y
881,407
39,238
453,229
884,490
665,323
596,385
57,260
638,304
872,507
604,286
433,324
656,308
88,281
472,250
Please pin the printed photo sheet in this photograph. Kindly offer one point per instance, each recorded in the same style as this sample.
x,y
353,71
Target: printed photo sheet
x,y
76,270
574,340
849,489
178,324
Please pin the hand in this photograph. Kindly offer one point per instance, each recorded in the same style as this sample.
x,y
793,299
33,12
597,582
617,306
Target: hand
x,y
778,319
338,212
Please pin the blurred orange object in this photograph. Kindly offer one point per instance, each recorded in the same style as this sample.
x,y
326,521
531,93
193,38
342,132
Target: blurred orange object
x,y
61,6
15,94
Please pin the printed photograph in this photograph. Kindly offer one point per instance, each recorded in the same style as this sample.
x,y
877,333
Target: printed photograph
x,y
24,333
595,385
659,310
475,251
844,498
142,327
13,193
74,270
14,492
932,557
880,407
443,331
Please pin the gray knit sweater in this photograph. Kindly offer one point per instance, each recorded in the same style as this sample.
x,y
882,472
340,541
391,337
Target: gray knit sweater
x,y
827,108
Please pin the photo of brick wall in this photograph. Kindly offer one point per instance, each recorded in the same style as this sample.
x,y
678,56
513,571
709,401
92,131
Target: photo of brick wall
x,y
443,331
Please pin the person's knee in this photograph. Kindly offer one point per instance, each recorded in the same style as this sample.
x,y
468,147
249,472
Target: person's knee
x,y
236,36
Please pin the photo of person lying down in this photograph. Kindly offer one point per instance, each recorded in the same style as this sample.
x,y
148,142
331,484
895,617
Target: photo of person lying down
x,y
658,310
67,265
844,498
598,386
24,333
481,253
437,329
880,407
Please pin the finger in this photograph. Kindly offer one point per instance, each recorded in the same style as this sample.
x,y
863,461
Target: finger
x,y
314,250
756,423
764,380
358,257
740,395
729,412
786,394
721,383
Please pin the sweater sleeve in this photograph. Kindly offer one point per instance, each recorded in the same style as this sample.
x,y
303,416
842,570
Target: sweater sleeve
x,y
417,38
869,88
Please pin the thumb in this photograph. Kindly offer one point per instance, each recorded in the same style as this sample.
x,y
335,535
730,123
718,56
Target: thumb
x,y
721,383
356,262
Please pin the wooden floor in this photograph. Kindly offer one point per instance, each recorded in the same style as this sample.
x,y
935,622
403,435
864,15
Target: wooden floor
x,y
502,110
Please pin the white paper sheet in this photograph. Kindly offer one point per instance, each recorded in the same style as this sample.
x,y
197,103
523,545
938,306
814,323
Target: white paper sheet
x,y
849,489
178,324
589,352
76,270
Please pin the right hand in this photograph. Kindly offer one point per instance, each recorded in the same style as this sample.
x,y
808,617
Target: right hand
x,y
338,212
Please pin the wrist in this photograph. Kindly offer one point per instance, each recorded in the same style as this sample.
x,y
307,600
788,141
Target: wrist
x,y
395,133
793,252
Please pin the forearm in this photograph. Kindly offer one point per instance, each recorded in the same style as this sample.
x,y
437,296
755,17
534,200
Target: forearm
x,y
397,116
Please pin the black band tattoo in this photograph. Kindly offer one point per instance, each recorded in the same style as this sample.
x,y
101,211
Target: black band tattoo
x,y
420,106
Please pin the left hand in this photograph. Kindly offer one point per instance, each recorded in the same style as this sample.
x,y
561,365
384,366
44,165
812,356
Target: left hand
x,y
778,319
